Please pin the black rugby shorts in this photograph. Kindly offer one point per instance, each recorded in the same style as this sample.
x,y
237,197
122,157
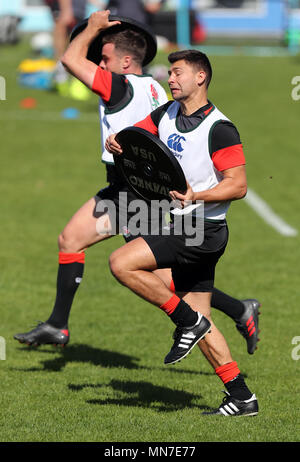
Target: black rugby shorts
x,y
193,267
130,223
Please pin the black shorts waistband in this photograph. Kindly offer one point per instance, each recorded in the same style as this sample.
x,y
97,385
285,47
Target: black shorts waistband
x,y
217,222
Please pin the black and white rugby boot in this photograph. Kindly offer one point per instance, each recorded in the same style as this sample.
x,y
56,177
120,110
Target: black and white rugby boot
x,y
44,334
231,407
247,324
185,338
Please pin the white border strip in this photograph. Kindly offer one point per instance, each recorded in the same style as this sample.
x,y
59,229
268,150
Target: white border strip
x,y
268,215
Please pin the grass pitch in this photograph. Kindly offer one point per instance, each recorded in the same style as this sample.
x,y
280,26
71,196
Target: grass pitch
x,y
110,384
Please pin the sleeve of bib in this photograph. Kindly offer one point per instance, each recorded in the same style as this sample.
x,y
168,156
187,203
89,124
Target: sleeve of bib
x,y
111,87
226,147
151,122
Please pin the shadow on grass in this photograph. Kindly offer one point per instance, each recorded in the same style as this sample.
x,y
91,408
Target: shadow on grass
x,y
84,354
81,353
143,394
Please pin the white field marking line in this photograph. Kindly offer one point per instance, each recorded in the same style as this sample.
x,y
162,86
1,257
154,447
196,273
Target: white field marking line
x,y
268,215
252,199
47,116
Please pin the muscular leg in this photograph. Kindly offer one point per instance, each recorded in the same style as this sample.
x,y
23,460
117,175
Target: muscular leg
x,y
215,349
134,265
165,275
213,346
243,312
230,306
85,229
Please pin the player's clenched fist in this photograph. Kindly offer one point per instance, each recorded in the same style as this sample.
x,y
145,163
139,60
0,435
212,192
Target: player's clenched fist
x,y
99,20
112,146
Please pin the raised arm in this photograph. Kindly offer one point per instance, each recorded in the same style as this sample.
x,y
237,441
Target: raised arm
x,y
74,58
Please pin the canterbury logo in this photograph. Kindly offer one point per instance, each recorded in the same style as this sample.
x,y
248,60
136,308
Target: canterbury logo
x,y
175,142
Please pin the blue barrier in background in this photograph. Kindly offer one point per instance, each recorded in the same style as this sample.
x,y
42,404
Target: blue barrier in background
x,y
272,18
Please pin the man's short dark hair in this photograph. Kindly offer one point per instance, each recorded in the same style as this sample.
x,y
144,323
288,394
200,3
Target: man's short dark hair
x,y
195,58
129,42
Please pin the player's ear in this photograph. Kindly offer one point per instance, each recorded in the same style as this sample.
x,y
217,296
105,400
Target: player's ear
x,y
201,76
126,61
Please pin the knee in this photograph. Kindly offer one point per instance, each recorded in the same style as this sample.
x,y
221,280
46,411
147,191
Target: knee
x,y
67,243
113,264
117,265
60,242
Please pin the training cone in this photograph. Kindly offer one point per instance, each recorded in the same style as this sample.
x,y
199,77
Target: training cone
x,y
70,113
28,103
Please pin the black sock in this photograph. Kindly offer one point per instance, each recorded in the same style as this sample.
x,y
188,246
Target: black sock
x,y
183,315
68,279
238,389
233,307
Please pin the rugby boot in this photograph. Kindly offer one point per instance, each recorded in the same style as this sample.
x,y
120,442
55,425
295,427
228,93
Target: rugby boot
x,y
231,407
44,334
247,324
185,338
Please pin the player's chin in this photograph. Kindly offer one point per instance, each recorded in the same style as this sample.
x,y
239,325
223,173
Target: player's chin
x,y
177,96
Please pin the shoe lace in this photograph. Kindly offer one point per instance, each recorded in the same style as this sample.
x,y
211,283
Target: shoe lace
x,y
38,323
226,398
177,333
